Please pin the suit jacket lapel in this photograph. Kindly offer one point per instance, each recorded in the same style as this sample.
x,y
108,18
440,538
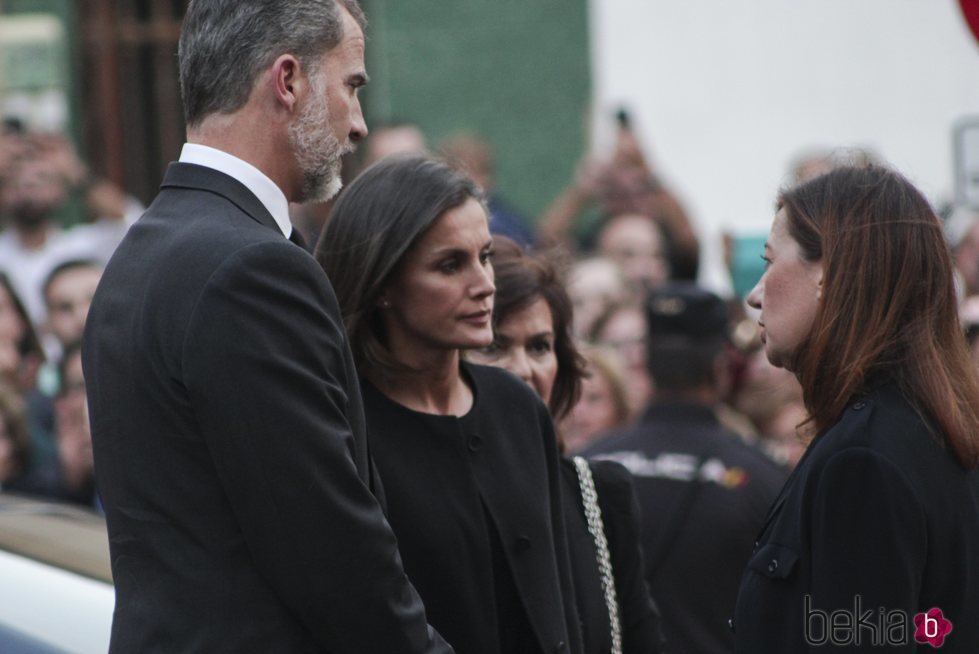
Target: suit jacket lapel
x,y
202,178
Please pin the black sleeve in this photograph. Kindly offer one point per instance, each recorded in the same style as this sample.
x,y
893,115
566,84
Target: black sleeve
x,y
264,364
562,549
639,615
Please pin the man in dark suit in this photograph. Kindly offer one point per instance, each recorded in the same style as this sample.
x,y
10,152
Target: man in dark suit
x,y
703,492
227,420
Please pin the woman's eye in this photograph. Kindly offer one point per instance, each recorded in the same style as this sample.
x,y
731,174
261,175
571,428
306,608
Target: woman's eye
x,y
486,256
767,260
540,347
449,266
491,350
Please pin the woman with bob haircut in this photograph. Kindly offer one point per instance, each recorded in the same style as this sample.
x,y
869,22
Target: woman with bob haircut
x,y
874,541
466,454
533,340
604,402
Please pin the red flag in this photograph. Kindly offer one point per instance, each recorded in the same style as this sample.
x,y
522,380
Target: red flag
x,y
970,9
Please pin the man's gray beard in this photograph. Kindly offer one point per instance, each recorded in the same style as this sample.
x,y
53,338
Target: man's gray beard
x,y
317,150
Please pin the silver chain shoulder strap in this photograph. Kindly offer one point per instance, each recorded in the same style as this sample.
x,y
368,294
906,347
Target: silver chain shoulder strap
x,y
597,528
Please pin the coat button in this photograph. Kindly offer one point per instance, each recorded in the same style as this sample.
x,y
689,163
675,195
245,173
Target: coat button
x,y
560,647
475,443
521,544
773,566
730,624
859,405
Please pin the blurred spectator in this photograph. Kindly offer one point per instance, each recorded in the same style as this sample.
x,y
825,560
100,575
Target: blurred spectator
x,y
21,357
962,234
764,389
785,436
68,292
20,350
70,476
394,137
969,315
76,474
637,245
704,492
473,155
623,184
623,329
15,442
35,182
811,163
772,399
594,284
816,161
604,402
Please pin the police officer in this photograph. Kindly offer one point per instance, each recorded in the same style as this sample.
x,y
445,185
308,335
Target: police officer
x,y
703,491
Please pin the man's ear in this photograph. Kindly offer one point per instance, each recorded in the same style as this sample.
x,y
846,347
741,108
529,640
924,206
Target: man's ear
x,y
287,81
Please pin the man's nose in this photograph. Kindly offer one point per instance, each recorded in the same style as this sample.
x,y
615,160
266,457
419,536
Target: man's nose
x,y
358,128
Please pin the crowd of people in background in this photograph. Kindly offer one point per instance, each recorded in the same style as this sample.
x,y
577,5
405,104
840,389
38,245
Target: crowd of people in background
x,y
674,384
60,225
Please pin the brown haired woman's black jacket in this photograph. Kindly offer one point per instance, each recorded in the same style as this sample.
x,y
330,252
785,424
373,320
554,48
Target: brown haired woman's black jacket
x,y
878,524
475,504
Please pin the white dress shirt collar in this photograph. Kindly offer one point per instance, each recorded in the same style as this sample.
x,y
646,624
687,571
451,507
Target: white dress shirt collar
x,y
257,182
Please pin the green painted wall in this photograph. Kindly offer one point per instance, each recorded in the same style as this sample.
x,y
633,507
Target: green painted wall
x,y
517,73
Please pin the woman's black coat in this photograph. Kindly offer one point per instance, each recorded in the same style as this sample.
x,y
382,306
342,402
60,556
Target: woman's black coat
x,y
638,615
877,524
464,494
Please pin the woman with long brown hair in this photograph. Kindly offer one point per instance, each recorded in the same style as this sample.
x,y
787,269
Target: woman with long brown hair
x,y
874,540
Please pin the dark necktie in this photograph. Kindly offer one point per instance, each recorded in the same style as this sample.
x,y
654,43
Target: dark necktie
x,y
297,238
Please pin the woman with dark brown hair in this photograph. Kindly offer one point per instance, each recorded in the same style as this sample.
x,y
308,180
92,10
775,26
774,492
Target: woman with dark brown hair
x,y
466,453
532,339
874,541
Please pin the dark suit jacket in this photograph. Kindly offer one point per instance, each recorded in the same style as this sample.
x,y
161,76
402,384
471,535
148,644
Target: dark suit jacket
x,y
230,444
877,508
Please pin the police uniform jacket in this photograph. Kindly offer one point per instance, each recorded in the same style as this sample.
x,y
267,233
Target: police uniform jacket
x,y
703,493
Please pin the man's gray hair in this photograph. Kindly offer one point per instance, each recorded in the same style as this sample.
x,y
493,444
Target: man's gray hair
x,y
226,44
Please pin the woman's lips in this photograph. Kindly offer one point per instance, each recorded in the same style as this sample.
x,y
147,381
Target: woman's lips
x,y
479,317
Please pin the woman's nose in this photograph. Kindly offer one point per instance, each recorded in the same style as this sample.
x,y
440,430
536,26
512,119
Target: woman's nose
x,y
755,296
